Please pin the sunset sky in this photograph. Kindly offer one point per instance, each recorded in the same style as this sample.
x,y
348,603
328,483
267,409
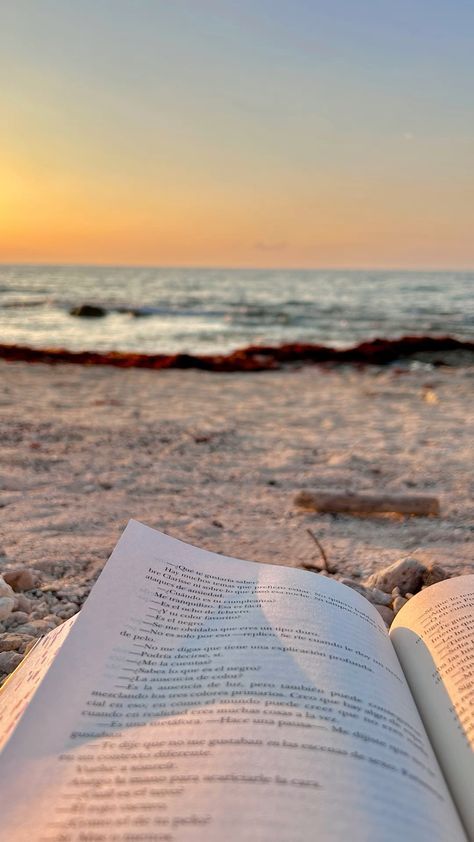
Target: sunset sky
x,y
309,133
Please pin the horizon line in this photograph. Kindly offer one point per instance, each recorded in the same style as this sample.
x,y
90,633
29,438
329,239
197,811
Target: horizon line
x,y
249,268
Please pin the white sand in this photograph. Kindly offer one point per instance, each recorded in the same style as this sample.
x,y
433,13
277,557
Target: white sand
x,y
216,460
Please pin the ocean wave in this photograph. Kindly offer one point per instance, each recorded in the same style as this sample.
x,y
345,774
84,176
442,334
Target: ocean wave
x,y
23,303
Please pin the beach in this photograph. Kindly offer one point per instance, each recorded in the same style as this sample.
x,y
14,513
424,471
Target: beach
x,y
216,460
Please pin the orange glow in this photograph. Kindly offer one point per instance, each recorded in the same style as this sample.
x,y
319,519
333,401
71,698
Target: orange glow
x,y
52,213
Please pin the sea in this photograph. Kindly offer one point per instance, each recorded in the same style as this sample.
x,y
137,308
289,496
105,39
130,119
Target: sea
x,y
213,311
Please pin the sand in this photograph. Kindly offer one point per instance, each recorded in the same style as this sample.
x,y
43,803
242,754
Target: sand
x,y
216,460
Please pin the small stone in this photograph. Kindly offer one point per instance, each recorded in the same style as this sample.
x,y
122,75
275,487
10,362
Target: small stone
x,y
5,588
40,610
33,630
434,573
36,627
67,610
9,661
409,595
386,613
398,603
374,595
15,642
406,574
7,604
54,619
22,603
22,579
396,591
17,619
380,597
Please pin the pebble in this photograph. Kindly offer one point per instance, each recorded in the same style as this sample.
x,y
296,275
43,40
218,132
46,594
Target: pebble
x,y
70,596
22,579
386,613
9,661
7,604
40,610
36,628
15,642
398,603
5,589
53,620
22,603
375,596
67,610
406,574
17,619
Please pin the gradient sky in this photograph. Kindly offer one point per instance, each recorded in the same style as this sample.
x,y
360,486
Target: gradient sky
x,y
237,132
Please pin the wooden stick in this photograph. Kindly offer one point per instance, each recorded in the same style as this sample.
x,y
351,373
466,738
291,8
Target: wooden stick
x,y
326,565
340,501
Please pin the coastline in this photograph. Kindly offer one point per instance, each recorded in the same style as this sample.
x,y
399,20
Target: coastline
x,y
216,460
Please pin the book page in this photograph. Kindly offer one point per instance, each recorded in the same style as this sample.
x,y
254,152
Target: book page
x,y
433,635
18,690
199,698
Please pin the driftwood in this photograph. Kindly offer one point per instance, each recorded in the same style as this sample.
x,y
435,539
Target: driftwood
x,y
340,501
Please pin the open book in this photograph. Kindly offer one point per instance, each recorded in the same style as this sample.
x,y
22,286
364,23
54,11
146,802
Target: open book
x,y
197,698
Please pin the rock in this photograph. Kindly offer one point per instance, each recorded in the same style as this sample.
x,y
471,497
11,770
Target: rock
x,y
15,642
55,620
29,628
386,613
22,603
39,627
40,610
5,588
434,573
380,598
9,661
67,610
398,603
35,627
372,594
88,311
22,579
406,574
7,604
17,619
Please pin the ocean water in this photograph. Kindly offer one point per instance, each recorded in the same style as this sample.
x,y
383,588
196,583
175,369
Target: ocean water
x,y
204,311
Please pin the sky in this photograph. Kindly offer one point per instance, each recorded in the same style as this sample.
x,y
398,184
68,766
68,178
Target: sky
x,y
292,133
